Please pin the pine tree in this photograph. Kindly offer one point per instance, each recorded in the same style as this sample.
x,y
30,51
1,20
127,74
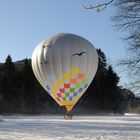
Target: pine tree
x,y
8,77
103,93
28,86
8,84
102,61
112,77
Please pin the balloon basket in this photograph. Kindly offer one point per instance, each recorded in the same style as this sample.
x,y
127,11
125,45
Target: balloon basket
x,y
68,116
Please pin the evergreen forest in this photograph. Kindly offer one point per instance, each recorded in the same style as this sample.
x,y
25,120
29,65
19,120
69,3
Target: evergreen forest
x,y
20,92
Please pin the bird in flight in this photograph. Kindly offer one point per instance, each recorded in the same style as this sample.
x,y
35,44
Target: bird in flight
x,y
46,46
79,54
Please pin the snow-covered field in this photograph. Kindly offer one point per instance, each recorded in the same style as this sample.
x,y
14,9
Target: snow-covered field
x,y
80,128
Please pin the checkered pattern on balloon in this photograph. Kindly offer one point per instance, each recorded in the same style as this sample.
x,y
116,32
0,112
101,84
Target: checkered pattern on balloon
x,y
69,88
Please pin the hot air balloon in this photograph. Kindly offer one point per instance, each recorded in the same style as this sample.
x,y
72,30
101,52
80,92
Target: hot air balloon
x,y
65,65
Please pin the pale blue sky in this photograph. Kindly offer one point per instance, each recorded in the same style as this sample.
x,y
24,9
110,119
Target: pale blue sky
x,y
24,23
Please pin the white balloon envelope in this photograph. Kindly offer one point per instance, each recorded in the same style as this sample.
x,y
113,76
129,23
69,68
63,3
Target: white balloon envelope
x,y
65,65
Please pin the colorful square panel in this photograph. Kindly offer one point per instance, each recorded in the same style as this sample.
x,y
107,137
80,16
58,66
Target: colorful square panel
x,y
85,86
67,94
60,81
75,71
72,89
73,81
67,76
70,98
78,85
75,94
62,90
59,95
81,75
80,90
66,85
55,86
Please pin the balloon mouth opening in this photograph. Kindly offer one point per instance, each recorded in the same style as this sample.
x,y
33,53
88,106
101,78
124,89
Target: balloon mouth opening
x,y
69,108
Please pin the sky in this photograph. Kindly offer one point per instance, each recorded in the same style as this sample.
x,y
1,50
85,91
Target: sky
x,y
25,23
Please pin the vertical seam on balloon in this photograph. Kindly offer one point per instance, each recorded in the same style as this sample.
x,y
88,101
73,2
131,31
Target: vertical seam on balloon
x,y
50,63
70,64
53,67
85,65
39,66
78,66
87,61
46,75
92,65
33,63
59,76
61,63
46,81
81,93
38,70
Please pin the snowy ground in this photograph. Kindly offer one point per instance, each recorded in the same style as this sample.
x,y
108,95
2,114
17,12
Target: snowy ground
x,y
80,128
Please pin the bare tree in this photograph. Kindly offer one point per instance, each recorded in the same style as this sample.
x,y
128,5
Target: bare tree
x,y
128,19
99,7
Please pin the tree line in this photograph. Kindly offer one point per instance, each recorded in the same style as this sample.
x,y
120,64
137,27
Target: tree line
x,y
20,92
